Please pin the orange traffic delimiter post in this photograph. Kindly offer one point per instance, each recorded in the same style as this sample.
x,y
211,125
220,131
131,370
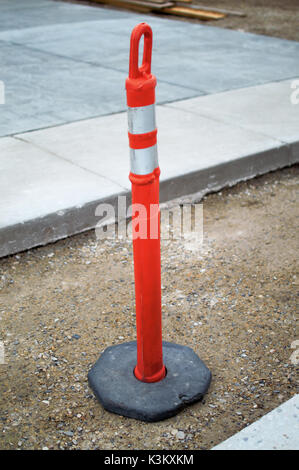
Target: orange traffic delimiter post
x,y
148,390
144,177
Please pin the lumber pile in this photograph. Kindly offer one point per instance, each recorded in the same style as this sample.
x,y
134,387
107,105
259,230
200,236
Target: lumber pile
x,y
185,8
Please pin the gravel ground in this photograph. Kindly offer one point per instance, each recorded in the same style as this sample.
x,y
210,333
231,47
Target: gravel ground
x,y
278,18
232,299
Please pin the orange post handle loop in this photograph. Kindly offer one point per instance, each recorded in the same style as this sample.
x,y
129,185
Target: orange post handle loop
x,y
144,70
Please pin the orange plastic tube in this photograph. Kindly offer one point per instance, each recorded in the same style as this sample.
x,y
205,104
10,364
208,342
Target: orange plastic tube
x,y
140,87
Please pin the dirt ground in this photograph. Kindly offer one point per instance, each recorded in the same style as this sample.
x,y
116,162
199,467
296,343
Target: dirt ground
x,y
277,18
232,299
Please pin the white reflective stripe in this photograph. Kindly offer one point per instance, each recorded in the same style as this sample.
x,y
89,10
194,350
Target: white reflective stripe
x,y
144,161
142,119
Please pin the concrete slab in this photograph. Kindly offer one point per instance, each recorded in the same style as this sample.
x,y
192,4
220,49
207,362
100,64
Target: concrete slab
x,y
42,90
38,189
251,58
99,145
19,14
266,109
277,430
51,77
188,144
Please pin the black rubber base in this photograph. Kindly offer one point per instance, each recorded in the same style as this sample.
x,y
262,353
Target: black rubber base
x,y
114,384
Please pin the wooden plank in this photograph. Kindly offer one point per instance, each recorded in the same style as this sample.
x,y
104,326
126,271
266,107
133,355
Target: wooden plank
x,y
194,13
152,5
196,5
158,1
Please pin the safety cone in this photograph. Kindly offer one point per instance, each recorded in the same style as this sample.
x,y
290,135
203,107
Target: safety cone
x,y
149,379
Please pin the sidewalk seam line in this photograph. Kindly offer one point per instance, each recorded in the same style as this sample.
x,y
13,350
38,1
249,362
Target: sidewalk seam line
x,y
238,126
68,161
95,64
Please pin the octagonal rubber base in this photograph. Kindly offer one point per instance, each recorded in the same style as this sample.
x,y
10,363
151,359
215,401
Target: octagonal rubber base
x,y
114,384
